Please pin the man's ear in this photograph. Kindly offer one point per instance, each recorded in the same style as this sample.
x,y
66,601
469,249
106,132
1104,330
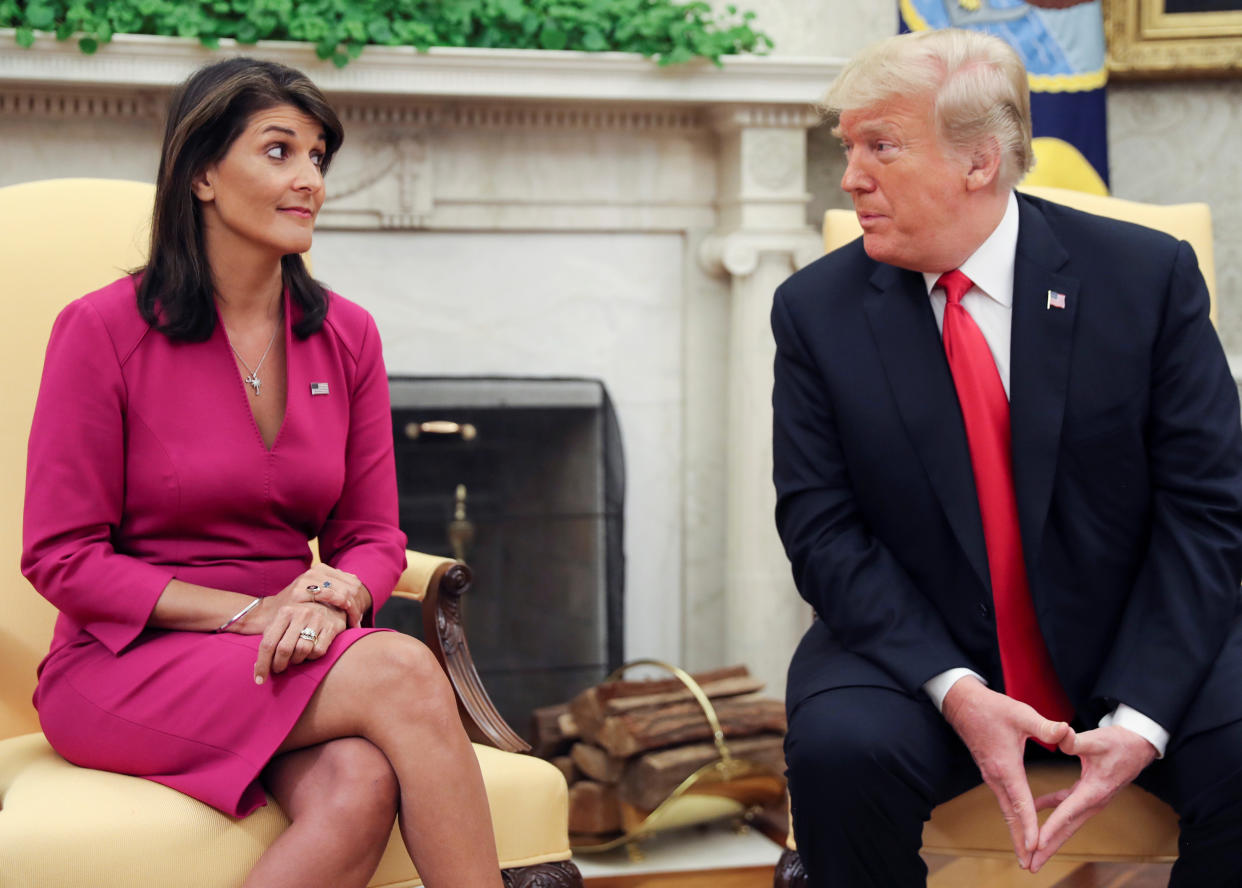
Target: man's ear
x,y
985,163
202,187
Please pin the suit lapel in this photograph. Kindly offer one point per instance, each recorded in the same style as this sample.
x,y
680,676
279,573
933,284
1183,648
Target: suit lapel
x,y
1042,337
901,320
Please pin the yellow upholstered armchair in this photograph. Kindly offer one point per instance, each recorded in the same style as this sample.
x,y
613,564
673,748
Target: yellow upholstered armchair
x,y
1136,826
61,825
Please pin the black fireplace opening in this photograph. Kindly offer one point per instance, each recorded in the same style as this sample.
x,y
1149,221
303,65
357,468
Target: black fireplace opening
x,y
524,480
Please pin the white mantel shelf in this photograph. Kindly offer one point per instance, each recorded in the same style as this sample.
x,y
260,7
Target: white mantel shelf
x,y
144,62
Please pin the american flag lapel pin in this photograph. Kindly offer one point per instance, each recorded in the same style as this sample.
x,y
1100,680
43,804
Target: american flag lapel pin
x,y
321,388
1055,300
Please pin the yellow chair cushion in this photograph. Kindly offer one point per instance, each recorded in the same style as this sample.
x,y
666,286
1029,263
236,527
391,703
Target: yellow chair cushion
x,y
1134,827
125,831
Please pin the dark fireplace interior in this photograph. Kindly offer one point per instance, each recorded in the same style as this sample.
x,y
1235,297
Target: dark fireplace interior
x,y
523,479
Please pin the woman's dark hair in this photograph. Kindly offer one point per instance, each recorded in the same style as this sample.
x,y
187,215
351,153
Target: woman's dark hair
x,y
205,116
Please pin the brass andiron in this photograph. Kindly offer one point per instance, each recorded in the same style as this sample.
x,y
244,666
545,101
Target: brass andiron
x,y
461,528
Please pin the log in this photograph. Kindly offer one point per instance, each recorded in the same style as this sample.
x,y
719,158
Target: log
x,y
726,687
592,706
650,778
593,808
587,711
552,730
628,733
596,763
637,687
566,766
641,687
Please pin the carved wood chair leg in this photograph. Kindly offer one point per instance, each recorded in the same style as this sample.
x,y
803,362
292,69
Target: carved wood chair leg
x,y
561,874
789,871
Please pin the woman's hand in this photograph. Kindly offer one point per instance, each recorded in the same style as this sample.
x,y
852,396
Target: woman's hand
x,y
320,602
297,632
327,585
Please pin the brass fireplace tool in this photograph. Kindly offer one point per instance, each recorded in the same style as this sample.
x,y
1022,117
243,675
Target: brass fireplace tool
x,y
461,528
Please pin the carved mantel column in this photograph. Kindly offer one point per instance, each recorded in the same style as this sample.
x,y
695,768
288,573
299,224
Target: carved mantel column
x,y
762,237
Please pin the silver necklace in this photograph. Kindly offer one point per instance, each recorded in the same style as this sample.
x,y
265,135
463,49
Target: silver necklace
x,y
253,379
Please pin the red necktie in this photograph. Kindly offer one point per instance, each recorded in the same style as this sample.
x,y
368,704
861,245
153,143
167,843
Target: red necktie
x,y
1027,668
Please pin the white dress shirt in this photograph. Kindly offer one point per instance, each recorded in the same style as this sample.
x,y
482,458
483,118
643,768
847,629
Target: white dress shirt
x,y
990,303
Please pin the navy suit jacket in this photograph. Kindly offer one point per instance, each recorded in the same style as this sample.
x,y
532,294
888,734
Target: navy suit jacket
x,y
1127,455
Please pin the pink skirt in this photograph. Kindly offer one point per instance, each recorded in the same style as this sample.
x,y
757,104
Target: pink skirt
x,y
179,708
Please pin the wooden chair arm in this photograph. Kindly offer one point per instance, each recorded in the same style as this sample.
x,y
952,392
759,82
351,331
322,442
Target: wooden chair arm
x,y
439,583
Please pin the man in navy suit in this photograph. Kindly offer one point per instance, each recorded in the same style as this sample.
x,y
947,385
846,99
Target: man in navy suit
x,y
1008,463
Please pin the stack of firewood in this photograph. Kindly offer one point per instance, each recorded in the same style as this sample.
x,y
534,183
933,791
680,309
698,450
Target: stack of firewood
x,y
624,746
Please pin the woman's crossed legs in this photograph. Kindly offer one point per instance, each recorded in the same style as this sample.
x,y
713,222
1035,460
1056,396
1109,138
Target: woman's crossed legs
x,y
380,735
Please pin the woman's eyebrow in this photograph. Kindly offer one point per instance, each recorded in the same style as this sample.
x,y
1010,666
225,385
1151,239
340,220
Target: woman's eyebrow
x,y
274,127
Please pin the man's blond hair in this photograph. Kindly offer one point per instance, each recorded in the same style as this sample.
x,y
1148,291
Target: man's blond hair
x,y
976,85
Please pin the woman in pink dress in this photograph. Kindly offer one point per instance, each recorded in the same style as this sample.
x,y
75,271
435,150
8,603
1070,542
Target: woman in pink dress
x,y
197,424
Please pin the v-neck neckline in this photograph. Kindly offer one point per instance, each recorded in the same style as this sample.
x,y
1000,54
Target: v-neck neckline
x,y
241,382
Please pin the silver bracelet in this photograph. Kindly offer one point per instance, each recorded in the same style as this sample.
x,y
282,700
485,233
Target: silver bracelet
x,y
237,616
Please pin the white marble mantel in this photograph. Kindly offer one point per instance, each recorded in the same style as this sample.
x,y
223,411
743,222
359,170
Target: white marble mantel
x,y
542,213
135,60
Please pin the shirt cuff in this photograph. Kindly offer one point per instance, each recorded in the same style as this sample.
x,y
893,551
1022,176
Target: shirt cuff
x,y
938,686
1132,720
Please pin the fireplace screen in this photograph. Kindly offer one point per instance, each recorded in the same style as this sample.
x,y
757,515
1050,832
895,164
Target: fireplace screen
x,y
523,479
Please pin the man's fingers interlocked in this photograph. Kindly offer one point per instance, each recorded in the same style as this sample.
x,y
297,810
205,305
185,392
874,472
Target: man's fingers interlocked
x,y
995,729
1111,758
1013,793
1053,733
1052,799
1081,803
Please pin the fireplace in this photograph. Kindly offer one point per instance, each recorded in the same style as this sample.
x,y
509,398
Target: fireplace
x,y
523,479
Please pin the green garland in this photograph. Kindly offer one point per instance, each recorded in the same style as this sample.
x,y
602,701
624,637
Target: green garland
x,y
669,30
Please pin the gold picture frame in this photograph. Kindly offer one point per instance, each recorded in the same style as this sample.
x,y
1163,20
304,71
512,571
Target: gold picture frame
x,y
1147,40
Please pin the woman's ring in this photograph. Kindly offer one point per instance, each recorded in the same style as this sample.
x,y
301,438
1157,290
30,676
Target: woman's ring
x,y
309,634
313,589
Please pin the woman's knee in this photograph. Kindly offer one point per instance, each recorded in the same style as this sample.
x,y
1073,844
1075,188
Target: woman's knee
x,y
351,784
404,680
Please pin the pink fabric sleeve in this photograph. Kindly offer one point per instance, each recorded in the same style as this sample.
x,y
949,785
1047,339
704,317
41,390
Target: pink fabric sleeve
x,y
361,535
75,476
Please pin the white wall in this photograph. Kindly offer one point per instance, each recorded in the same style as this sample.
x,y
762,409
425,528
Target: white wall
x,y
821,27
1176,141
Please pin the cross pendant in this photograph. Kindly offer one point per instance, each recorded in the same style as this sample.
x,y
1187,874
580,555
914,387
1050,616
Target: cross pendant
x,y
254,382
